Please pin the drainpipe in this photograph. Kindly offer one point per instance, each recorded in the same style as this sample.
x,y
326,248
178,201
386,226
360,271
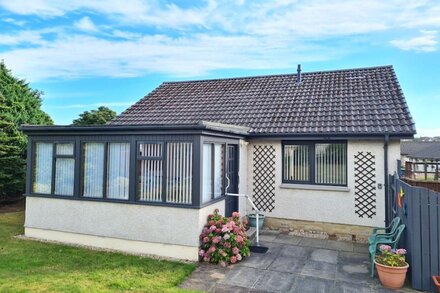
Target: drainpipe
x,y
385,164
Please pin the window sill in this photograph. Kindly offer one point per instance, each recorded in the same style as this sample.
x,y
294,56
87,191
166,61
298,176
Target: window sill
x,y
315,187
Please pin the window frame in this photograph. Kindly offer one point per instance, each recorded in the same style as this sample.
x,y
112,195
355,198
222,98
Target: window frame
x,y
162,158
213,198
311,160
54,157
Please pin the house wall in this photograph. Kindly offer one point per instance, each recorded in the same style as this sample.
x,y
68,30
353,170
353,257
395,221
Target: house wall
x,y
158,230
326,204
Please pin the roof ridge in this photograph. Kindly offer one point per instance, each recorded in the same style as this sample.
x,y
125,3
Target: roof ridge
x,y
280,75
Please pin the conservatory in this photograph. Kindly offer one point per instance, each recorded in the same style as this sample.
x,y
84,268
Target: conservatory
x,y
141,189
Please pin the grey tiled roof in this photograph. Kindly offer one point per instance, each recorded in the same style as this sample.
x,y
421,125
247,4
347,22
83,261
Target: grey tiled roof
x,y
421,149
353,101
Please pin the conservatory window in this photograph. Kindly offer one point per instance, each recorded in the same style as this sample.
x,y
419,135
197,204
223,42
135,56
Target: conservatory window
x,y
213,171
150,168
93,169
118,169
64,169
42,173
179,172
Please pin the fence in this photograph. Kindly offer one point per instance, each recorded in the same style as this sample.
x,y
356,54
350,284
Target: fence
x,y
419,209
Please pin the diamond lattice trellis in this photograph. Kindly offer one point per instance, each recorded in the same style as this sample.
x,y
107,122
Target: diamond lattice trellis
x,y
264,177
365,184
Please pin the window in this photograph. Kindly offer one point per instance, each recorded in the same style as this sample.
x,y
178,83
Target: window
x,y
213,171
64,169
42,168
315,163
93,169
118,169
53,161
179,172
150,171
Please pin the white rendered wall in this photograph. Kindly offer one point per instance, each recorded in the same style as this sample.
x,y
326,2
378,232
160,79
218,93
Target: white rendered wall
x,y
329,204
243,175
156,226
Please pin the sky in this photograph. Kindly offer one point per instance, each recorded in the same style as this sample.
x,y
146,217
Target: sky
x,y
83,54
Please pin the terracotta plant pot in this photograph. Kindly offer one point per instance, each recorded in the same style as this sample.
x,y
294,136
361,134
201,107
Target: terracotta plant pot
x,y
391,277
436,280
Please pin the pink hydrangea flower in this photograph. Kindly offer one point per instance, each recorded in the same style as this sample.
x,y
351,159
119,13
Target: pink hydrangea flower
x,y
206,240
227,245
239,257
226,236
216,239
239,239
235,250
212,228
233,259
225,229
207,258
384,247
235,214
401,251
218,231
201,252
211,249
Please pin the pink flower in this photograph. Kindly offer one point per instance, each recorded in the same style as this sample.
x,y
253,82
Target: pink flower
x,y
384,247
211,249
207,258
239,239
201,252
206,240
218,231
235,250
239,257
233,259
401,251
227,236
227,245
210,223
225,229
235,214
212,228
216,239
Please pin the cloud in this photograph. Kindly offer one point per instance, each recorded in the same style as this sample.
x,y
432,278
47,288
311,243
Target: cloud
x,y
81,56
426,42
86,24
22,37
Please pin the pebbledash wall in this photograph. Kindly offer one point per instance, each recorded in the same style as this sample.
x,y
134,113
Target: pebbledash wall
x,y
345,211
141,229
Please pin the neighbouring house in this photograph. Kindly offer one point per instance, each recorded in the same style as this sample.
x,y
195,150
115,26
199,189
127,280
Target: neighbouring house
x,y
313,150
420,159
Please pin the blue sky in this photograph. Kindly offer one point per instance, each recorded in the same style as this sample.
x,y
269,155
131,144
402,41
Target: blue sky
x,y
83,54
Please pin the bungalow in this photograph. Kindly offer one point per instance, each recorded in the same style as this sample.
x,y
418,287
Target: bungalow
x,y
313,151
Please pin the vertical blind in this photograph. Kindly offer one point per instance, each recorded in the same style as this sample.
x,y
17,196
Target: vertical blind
x,y
296,162
150,172
330,163
43,157
118,170
207,172
93,169
218,169
179,172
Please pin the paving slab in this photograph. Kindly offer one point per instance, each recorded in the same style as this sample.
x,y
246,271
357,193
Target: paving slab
x,y
305,284
319,269
357,273
259,261
242,276
225,288
324,255
287,239
339,245
360,248
275,282
345,287
313,242
295,251
287,265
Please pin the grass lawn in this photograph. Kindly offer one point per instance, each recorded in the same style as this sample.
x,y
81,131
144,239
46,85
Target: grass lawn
x,y
35,266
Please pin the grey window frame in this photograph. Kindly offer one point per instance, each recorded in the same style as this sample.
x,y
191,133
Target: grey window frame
x,y
311,145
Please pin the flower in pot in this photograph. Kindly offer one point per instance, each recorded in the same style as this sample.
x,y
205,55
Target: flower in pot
x,y
436,280
253,220
391,266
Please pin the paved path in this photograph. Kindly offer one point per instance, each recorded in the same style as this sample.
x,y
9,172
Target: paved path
x,y
293,264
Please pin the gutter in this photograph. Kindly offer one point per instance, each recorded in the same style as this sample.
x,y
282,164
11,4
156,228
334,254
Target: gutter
x,y
385,164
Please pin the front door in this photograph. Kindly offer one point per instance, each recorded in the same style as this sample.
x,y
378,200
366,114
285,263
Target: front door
x,y
232,173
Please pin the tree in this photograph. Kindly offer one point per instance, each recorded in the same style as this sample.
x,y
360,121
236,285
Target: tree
x,y
19,104
95,117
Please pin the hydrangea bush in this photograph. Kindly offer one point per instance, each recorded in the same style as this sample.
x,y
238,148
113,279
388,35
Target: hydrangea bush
x,y
391,257
224,240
